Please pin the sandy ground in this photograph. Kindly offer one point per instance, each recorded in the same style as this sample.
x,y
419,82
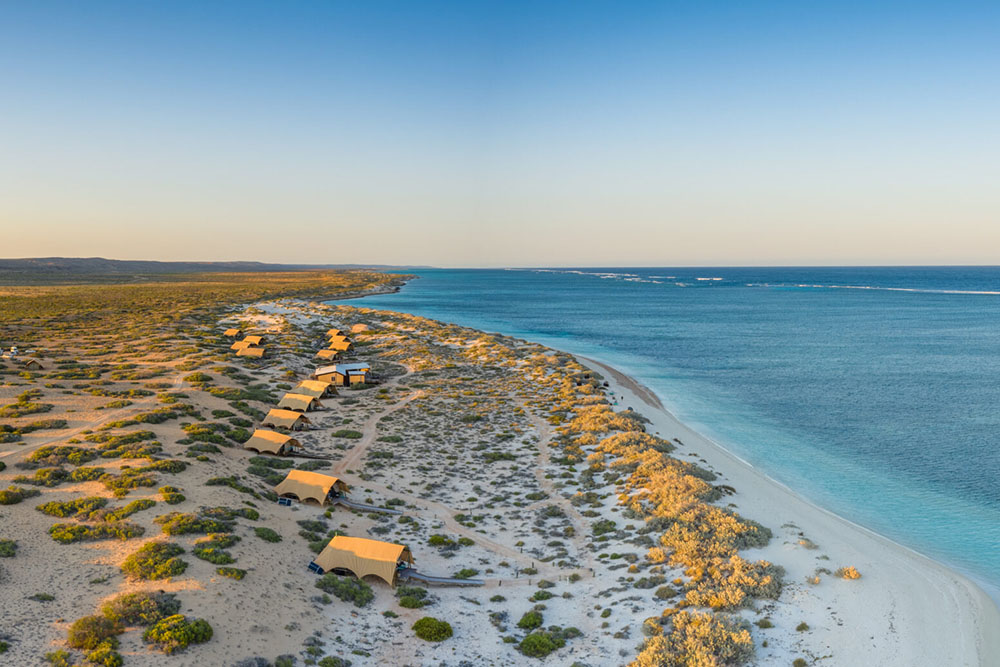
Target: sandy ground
x,y
905,610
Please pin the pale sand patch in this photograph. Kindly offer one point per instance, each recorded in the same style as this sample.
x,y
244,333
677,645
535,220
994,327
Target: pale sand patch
x,y
906,610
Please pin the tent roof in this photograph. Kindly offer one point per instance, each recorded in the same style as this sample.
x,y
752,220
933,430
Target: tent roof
x,y
363,556
304,485
231,332
239,345
315,388
254,340
333,332
250,351
269,441
279,417
327,353
295,401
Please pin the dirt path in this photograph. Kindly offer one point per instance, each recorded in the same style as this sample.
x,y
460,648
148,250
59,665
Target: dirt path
x,y
370,432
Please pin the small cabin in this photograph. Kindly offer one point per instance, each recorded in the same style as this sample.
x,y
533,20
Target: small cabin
x,y
287,419
343,375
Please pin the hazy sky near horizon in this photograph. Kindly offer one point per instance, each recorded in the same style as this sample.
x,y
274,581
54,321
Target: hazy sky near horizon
x,y
500,134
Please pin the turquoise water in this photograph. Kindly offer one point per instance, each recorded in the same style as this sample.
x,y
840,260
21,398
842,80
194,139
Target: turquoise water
x,y
873,392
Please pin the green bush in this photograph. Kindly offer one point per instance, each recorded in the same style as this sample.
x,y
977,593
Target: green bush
x,y
156,560
431,629
88,632
231,572
540,644
7,548
176,523
175,633
345,433
212,548
70,533
172,495
79,507
142,608
106,656
267,534
530,620
348,589
15,494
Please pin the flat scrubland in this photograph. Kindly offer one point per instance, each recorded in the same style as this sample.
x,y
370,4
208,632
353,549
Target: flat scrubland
x,y
135,529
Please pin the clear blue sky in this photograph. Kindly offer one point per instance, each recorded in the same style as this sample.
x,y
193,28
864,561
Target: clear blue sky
x,y
473,134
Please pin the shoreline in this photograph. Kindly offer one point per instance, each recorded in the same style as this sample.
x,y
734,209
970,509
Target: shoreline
x,y
894,615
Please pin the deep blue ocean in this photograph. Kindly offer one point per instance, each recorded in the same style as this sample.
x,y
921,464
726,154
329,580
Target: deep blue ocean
x,y
873,392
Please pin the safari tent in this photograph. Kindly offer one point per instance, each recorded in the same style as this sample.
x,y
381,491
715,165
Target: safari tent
x,y
339,345
239,345
328,354
271,442
305,485
254,340
251,351
231,333
299,402
344,374
364,557
31,365
278,418
333,332
315,388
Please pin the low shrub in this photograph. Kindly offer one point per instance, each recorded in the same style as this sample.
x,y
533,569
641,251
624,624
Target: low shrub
x,y
431,629
172,495
8,548
176,523
79,507
267,534
156,560
142,608
175,633
530,621
88,632
540,644
849,572
70,533
12,495
345,433
348,589
231,572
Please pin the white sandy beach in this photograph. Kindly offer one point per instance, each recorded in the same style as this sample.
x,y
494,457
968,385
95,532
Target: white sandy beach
x,y
905,610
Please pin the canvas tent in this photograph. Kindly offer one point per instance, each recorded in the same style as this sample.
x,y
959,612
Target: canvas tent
x,y
299,402
363,557
231,333
278,418
333,332
271,442
254,340
239,345
305,485
328,354
339,345
315,388
32,365
251,351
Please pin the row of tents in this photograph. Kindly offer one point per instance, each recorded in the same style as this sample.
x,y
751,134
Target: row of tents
x,y
248,346
356,555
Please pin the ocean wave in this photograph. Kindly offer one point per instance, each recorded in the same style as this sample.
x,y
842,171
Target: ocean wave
x,y
918,290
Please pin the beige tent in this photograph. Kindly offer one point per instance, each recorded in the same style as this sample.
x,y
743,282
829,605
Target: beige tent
x,y
328,354
239,345
363,557
231,333
315,388
305,485
271,442
333,332
277,418
299,402
32,365
251,351
341,345
254,340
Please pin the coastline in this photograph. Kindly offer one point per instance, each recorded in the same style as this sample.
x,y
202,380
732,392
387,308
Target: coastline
x,y
896,614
